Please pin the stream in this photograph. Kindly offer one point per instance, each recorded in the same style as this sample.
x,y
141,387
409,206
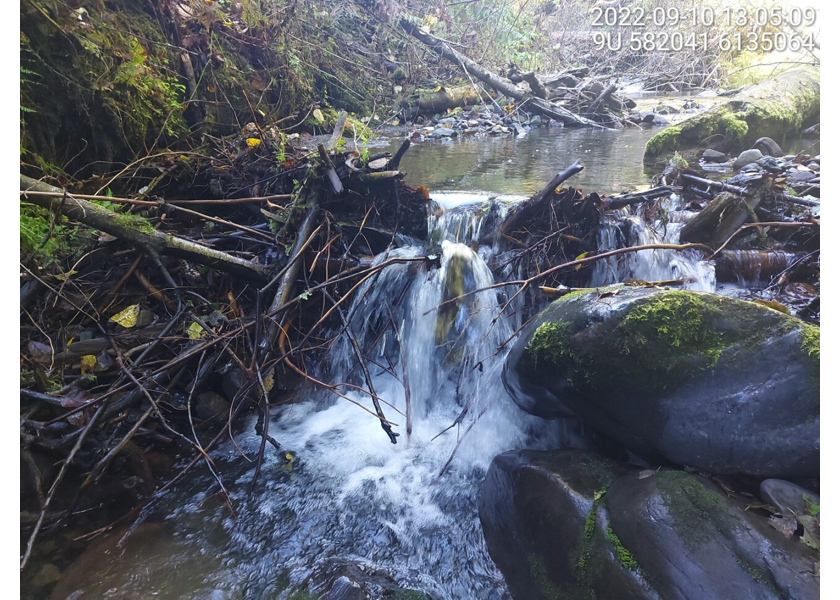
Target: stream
x,y
352,502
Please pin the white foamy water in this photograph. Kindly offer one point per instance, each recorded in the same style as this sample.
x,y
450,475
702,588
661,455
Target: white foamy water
x,y
625,229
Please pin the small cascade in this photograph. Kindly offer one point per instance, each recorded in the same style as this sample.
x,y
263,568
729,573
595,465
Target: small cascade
x,y
410,509
625,229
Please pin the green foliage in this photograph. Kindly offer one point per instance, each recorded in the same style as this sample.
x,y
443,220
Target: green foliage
x,y
812,507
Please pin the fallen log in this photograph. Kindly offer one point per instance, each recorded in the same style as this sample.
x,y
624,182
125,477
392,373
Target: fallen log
x,y
774,108
137,231
531,104
720,219
443,99
616,202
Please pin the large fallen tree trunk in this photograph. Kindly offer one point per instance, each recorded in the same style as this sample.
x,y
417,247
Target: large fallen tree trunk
x,y
536,105
432,102
773,108
136,230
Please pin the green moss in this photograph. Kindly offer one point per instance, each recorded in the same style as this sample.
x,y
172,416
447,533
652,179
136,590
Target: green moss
x,y
698,513
674,323
135,222
624,555
811,341
548,590
662,142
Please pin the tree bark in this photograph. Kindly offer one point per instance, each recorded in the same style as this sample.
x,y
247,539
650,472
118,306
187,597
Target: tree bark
x,y
138,231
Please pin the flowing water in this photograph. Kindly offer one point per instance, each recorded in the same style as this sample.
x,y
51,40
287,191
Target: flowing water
x,y
354,500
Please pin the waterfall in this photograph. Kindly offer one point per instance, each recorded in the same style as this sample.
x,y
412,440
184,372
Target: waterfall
x,y
625,229
402,508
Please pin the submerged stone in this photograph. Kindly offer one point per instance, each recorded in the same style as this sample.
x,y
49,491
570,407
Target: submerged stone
x,y
719,384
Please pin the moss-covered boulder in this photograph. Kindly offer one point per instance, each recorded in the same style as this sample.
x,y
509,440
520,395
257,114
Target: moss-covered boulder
x,y
568,524
698,379
691,541
545,528
774,108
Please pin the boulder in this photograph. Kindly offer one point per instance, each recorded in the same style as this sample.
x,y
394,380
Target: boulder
x,y
690,541
746,157
722,385
768,147
539,514
714,156
775,108
569,524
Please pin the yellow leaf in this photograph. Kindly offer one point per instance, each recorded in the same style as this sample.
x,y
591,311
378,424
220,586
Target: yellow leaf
x,y
318,115
268,381
128,317
195,331
437,89
253,142
578,257
88,362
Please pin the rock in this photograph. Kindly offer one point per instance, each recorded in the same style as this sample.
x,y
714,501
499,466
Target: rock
x,y
693,542
47,575
344,589
448,121
812,131
768,163
568,524
539,517
746,157
722,385
788,497
378,164
519,129
535,121
714,156
442,132
768,147
472,123
211,405
668,109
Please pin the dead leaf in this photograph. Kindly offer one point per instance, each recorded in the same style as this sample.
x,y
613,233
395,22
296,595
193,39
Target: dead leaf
x,y
128,317
318,115
786,525
811,534
74,398
646,473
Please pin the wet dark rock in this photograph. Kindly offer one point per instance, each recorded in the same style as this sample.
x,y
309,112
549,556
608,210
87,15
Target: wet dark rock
x,y
719,384
746,157
544,531
768,146
570,524
714,156
788,497
768,163
211,405
690,541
